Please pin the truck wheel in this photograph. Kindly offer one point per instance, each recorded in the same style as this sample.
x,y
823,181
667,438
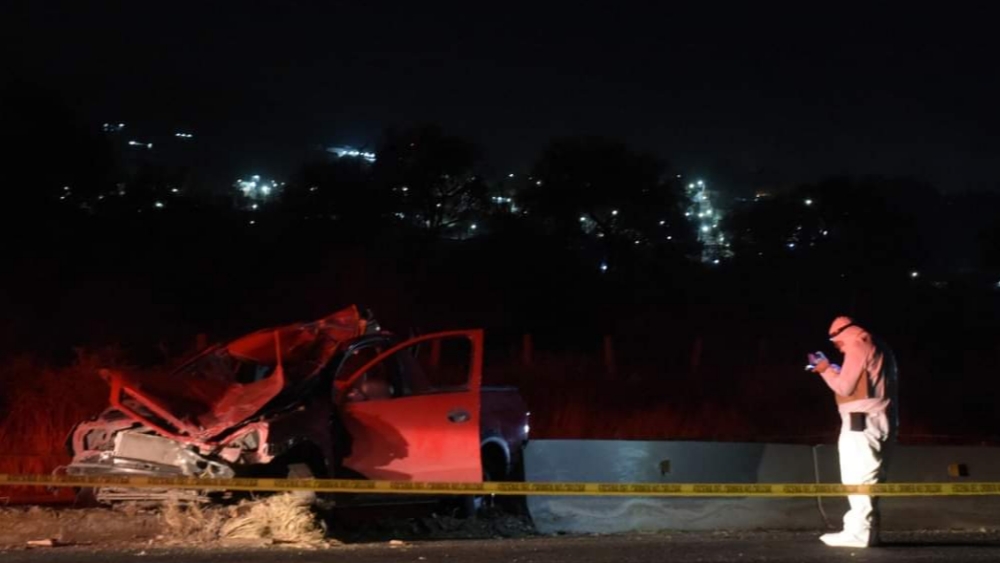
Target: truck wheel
x,y
514,504
303,462
494,462
302,471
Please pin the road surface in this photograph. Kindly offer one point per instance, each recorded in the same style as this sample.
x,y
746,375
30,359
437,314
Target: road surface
x,y
659,547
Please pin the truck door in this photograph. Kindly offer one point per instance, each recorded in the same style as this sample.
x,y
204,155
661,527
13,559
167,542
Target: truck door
x,y
413,412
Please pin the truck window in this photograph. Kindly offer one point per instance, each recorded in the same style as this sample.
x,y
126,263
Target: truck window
x,y
381,381
357,358
440,365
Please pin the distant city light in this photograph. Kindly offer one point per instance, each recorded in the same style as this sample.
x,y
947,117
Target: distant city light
x,y
113,127
510,175
914,274
663,223
174,190
809,202
140,144
253,222
716,261
582,218
604,267
473,226
352,152
791,245
614,212
706,219
538,183
184,135
158,205
257,190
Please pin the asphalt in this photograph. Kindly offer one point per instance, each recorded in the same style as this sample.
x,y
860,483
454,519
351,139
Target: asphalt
x,y
673,547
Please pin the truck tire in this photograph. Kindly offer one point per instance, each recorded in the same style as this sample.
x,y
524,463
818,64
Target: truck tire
x,y
494,461
305,461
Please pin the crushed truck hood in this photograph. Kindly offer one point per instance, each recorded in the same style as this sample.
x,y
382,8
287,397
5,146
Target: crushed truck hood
x,y
227,384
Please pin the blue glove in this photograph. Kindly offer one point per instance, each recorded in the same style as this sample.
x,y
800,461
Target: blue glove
x,y
819,362
817,357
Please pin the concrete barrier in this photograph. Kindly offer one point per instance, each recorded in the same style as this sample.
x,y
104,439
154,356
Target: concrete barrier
x,y
923,464
720,462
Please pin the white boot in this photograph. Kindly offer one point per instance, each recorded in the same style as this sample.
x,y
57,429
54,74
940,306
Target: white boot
x,y
848,539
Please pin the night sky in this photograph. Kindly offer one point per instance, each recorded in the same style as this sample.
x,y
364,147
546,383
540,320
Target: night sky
x,y
746,99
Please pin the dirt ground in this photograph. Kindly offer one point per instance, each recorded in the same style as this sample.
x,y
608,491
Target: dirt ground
x,y
255,531
265,522
702,547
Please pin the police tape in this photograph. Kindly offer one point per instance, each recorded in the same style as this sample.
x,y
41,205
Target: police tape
x,y
508,488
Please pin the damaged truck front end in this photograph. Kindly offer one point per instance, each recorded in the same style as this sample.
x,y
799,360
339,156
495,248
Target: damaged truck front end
x,y
234,410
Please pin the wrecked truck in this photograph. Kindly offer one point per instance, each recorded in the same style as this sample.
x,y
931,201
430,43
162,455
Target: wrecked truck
x,y
333,398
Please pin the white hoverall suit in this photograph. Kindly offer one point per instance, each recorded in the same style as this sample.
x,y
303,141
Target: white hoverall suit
x,y
865,390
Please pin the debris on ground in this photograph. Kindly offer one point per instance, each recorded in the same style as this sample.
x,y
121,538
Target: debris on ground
x,y
48,542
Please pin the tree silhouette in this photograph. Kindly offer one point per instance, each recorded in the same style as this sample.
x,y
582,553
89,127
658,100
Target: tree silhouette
x,y
429,179
599,192
328,188
863,226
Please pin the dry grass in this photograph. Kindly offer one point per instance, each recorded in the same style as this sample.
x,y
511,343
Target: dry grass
x,y
39,404
284,518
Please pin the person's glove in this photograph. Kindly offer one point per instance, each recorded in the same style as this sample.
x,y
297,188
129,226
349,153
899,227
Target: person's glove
x,y
819,361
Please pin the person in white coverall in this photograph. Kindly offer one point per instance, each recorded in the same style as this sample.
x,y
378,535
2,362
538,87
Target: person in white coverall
x,y
865,391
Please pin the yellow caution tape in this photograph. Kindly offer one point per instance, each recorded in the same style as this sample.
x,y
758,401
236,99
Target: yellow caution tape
x,y
510,488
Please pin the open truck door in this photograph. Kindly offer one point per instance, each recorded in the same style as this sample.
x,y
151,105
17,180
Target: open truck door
x,y
413,411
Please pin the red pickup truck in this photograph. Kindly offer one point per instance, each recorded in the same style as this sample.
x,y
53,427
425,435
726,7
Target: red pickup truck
x,y
338,397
